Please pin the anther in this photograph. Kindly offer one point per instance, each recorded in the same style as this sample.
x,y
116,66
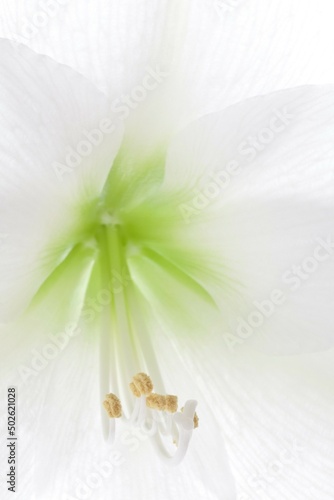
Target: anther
x,y
162,403
113,406
196,419
143,384
171,403
134,390
156,402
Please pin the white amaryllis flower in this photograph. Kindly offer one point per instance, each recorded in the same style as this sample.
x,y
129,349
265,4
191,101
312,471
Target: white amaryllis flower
x,y
158,217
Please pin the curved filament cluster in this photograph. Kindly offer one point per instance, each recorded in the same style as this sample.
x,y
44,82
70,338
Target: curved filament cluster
x,y
158,416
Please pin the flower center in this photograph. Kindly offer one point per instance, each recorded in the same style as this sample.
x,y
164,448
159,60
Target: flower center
x,y
143,273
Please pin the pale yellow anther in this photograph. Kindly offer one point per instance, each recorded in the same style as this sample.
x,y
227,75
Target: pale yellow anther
x,y
143,384
134,390
171,403
113,406
162,403
196,419
156,402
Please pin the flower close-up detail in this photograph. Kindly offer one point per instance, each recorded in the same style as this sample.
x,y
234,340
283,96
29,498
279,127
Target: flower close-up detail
x,y
166,249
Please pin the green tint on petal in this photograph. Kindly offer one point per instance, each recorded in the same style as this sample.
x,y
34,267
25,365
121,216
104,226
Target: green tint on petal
x,y
176,298
130,247
132,178
62,295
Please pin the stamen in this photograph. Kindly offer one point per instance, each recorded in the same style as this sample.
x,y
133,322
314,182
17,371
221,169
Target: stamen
x,y
162,403
148,406
156,402
171,403
185,422
143,384
134,390
196,419
113,406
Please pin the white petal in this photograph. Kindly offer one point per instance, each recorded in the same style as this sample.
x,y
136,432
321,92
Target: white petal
x,y
49,113
221,50
276,415
215,53
264,207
